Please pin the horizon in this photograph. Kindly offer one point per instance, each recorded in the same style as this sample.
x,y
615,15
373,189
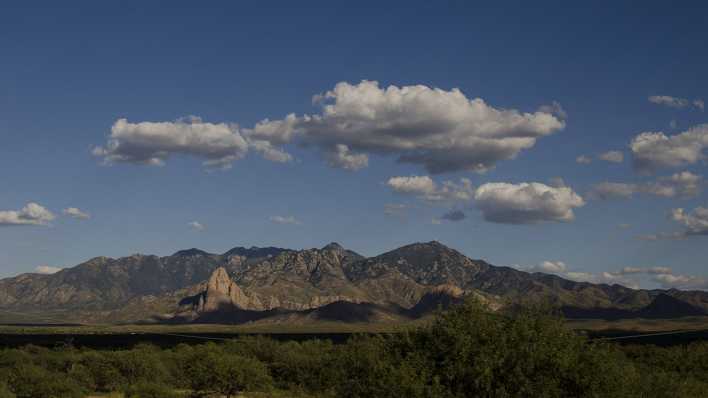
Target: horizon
x,y
524,136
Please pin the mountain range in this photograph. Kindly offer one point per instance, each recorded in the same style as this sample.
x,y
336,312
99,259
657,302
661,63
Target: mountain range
x,y
270,284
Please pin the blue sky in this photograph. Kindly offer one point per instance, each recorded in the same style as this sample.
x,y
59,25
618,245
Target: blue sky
x,y
68,73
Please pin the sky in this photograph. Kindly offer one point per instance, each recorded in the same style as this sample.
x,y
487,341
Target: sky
x,y
550,137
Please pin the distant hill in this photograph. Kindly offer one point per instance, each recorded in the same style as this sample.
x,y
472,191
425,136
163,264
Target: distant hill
x,y
329,283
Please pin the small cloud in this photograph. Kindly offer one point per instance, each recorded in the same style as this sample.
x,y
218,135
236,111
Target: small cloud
x,y
554,109
76,213
436,221
612,156
31,214
285,220
624,226
698,103
667,100
583,159
673,124
197,226
556,182
46,269
427,189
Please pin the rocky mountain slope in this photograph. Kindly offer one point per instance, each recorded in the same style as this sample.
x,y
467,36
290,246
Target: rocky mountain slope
x,y
253,283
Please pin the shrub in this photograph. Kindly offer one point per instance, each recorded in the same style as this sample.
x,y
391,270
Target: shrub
x,y
210,371
30,381
149,390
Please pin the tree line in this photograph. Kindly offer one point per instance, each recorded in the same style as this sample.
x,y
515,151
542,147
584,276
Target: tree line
x,y
465,352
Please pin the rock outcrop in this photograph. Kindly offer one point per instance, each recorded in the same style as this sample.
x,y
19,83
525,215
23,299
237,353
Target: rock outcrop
x,y
222,294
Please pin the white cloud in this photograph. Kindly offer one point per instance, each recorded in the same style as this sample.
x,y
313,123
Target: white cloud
x,y
641,270
583,159
285,220
441,130
340,156
425,188
554,267
196,225
526,203
673,124
612,156
695,222
655,150
153,142
31,214
669,281
666,100
554,109
698,103
46,269
76,213
684,184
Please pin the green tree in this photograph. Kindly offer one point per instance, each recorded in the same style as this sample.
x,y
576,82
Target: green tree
x,y
211,371
149,390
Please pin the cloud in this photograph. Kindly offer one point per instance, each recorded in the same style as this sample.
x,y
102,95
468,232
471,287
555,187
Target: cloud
x,y
642,270
673,124
676,102
425,188
454,216
553,267
669,281
153,142
624,226
583,159
612,156
695,222
285,220
31,214
684,184
438,129
76,213
666,100
343,158
554,109
526,203
652,151
46,270
196,225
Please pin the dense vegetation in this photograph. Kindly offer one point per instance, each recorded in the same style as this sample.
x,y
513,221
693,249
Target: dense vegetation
x,y
465,352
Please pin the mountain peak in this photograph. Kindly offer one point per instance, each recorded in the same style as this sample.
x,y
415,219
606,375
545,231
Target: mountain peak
x,y
255,252
333,246
191,253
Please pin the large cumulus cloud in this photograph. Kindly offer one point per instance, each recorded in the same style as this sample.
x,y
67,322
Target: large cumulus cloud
x,y
152,143
652,151
442,130
526,203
